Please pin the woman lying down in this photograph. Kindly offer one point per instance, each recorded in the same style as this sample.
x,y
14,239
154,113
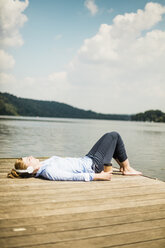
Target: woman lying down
x,y
87,168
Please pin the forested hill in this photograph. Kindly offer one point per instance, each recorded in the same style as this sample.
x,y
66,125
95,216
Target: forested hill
x,y
150,115
12,105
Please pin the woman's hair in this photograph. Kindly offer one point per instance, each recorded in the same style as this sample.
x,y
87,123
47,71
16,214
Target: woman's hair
x,y
19,165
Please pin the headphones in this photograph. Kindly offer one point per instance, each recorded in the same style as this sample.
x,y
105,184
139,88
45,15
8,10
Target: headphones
x,y
29,170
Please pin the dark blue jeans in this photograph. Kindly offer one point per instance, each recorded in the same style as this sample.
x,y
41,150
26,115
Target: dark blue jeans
x,y
109,146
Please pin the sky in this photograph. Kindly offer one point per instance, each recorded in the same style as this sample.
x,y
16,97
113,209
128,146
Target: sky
x,y
102,55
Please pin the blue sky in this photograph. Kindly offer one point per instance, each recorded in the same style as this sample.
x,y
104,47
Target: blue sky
x,y
56,29
53,62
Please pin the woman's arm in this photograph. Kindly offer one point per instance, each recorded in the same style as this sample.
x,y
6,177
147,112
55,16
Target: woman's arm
x,y
60,175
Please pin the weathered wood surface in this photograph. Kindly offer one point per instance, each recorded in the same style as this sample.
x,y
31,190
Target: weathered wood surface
x,y
126,212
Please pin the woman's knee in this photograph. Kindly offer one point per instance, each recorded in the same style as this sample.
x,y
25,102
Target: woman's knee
x,y
113,134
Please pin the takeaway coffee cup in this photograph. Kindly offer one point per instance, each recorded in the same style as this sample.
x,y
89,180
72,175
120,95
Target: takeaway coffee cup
x,y
107,167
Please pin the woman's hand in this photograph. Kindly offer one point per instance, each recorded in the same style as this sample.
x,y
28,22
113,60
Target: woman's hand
x,y
104,176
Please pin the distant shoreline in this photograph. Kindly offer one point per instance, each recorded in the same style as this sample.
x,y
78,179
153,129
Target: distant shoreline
x,y
11,105
58,119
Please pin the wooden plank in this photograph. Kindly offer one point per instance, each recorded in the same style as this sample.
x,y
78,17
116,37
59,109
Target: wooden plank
x,y
122,212
85,201
80,224
14,184
30,190
47,210
130,240
160,243
125,230
68,203
48,198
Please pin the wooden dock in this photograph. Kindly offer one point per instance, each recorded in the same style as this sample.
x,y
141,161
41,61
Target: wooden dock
x,y
127,212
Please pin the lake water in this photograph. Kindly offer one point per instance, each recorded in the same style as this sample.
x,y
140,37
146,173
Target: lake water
x,y
23,136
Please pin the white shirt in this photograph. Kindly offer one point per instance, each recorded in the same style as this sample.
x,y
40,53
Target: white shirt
x,y
67,169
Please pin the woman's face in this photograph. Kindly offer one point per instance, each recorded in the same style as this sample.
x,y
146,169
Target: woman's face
x,y
31,161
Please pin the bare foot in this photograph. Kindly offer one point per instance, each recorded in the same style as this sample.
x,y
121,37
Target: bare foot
x,y
130,172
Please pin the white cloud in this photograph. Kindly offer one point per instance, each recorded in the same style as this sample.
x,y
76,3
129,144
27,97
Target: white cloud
x,y
53,87
113,40
6,79
59,81
91,6
58,76
11,20
134,23
123,63
6,61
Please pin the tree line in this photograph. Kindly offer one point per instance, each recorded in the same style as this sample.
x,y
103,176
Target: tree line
x,y
150,115
17,106
12,105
